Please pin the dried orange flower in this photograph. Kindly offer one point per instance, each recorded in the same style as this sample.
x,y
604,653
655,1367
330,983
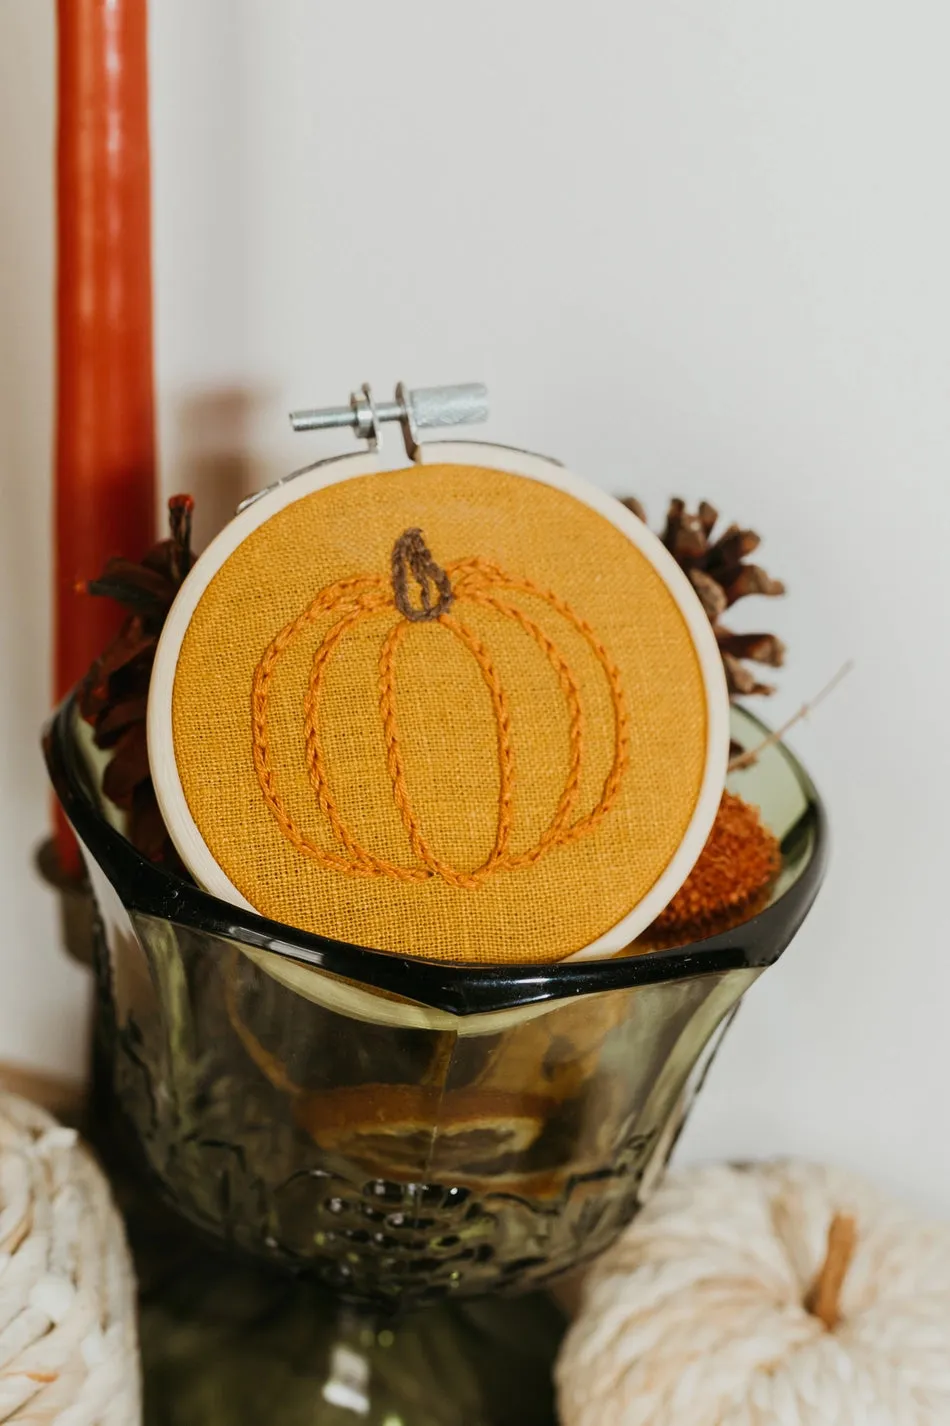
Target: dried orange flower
x,y
730,882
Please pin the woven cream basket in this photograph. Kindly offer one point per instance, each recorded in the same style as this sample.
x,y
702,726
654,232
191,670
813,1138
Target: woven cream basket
x,y
68,1341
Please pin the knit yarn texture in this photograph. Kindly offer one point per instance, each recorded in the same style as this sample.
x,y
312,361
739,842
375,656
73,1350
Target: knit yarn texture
x,y
699,1314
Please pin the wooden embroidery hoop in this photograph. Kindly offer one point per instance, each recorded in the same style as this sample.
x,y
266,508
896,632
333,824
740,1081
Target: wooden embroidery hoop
x,y
169,791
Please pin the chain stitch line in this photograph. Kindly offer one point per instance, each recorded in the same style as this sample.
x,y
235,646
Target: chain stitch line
x,y
363,596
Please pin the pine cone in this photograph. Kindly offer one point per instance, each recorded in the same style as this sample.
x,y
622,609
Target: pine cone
x,y
113,697
718,572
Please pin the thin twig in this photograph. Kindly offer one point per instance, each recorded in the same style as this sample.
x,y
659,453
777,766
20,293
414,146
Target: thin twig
x,y
746,759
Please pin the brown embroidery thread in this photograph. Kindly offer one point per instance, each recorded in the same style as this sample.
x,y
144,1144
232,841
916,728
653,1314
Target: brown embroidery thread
x,y
364,596
411,554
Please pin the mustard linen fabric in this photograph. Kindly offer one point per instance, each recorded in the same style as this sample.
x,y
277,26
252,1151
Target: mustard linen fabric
x,y
446,714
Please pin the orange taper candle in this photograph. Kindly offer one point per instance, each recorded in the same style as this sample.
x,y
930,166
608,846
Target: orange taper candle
x,y
105,439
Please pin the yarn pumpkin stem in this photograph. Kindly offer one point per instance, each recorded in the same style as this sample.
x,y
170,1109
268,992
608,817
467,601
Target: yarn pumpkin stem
x,y
823,1300
411,555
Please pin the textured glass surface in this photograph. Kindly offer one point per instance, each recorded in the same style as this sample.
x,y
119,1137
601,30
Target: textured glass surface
x,y
398,1162
407,1130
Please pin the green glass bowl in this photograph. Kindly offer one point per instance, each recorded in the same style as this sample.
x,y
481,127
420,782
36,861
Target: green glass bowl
x,y
406,1129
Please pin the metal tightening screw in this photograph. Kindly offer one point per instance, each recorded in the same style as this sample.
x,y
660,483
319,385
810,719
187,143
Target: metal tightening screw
x,y
426,408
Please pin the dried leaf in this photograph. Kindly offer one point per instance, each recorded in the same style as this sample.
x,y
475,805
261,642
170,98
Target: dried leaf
x,y
708,515
135,585
113,697
751,579
127,767
718,573
634,506
116,717
711,595
741,681
760,648
674,517
732,547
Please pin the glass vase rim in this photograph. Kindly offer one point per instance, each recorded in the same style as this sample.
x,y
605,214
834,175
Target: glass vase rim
x,y
457,988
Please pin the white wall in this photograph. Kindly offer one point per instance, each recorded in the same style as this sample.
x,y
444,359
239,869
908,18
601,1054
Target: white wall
x,y
692,247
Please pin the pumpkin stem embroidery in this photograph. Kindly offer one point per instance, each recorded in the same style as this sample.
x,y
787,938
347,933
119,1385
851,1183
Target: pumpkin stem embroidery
x,y
411,555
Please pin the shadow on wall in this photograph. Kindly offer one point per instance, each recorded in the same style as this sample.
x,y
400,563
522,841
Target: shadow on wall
x,y
27,71
214,435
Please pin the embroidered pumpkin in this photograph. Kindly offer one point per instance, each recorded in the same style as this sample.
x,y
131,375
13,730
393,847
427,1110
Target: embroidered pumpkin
x,y
510,750
367,596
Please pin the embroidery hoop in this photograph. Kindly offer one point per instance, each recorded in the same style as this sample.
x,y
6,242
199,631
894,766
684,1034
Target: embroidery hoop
x,y
184,832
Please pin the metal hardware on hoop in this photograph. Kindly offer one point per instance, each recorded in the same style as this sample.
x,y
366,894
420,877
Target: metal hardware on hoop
x,y
366,419
426,408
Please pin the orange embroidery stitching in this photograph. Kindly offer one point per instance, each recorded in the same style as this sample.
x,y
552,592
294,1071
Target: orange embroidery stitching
x,y
479,582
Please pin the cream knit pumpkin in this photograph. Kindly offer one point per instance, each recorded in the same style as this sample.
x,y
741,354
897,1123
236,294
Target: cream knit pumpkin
x,y
68,1345
697,1316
